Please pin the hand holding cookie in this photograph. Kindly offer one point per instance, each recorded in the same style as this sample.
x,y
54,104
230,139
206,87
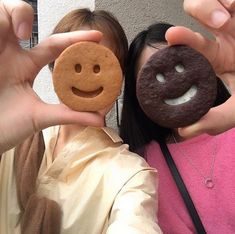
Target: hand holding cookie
x,y
22,112
220,53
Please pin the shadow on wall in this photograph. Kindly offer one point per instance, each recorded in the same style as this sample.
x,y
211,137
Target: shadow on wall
x,y
135,15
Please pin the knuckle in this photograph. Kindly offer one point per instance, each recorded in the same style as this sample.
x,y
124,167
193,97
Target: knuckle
x,y
26,7
192,7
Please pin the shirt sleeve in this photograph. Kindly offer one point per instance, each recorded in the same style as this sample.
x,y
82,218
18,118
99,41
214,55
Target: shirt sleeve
x,y
135,208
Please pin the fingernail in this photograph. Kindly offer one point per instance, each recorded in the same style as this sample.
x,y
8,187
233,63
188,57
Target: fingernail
x,y
228,2
219,18
23,31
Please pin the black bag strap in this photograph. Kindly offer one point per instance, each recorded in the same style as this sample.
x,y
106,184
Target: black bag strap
x,y
183,190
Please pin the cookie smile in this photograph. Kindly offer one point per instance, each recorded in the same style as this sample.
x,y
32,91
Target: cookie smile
x,y
87,94
184,98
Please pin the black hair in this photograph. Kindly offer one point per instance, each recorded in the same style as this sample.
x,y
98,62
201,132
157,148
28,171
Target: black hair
x,y
136,128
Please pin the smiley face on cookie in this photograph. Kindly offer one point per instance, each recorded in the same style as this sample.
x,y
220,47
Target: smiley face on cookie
x,y
176,86
87,77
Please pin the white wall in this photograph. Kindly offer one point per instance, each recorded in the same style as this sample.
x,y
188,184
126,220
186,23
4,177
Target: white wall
x,y
49,13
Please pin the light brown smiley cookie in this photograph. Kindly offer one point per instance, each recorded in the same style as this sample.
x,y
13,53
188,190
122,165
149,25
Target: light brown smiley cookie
x,y
87,77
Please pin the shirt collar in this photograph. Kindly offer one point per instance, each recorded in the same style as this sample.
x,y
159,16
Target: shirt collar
x,y
112,134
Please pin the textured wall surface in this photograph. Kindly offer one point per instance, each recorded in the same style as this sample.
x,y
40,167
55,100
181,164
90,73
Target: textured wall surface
x,y
135,15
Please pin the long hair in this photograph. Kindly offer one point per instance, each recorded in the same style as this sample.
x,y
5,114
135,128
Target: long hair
x,y
137,129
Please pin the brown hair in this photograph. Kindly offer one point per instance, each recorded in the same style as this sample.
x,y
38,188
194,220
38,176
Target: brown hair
x,y
99,20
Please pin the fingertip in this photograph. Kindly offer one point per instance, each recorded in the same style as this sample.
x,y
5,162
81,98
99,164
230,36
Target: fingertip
x,y
95,36
22,15
168,34
190,131
99,34
171,32
180,35
218,18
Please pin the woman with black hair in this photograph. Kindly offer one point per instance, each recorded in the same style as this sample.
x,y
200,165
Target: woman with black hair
x,y
204,163
136,128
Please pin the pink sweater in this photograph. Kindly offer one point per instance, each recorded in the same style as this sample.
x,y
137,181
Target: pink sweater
x,y
216,206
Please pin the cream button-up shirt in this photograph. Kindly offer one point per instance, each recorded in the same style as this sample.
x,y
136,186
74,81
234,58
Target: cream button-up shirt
x,y
100,185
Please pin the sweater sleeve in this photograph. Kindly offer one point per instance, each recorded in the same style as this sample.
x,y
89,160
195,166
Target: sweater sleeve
x,y
135,207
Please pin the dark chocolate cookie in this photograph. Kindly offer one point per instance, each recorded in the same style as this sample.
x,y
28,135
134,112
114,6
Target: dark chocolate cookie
x,y
176,87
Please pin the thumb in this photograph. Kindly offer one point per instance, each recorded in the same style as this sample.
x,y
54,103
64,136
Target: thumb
x,y
50,48
219,119
56,114
184,36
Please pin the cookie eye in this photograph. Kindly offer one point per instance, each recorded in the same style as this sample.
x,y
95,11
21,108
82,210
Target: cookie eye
x,y
96,68
78,68
179,68
160,77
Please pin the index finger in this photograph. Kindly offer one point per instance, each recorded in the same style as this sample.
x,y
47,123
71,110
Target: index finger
x,y
20,15
211,13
